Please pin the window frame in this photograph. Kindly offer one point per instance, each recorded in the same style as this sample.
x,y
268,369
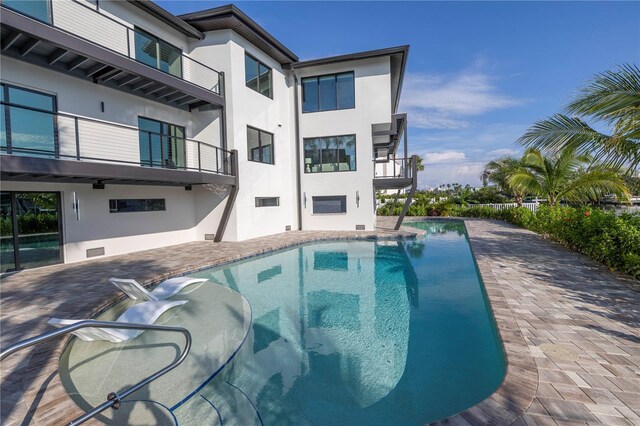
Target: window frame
x,y
326,197
163,209
258,199
317,78
273,146
157,40
6,104
167,135
258,63
355,153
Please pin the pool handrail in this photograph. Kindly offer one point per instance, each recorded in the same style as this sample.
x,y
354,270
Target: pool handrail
x,y
114,399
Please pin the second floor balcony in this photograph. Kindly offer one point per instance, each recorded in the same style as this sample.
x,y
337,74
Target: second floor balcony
x,y
39,145
78,38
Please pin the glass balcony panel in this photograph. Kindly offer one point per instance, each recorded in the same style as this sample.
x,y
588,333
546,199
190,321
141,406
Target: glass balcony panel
x,y
37,9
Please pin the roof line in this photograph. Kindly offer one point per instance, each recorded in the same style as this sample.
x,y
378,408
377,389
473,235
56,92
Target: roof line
x,y
167,17
352,56
231,9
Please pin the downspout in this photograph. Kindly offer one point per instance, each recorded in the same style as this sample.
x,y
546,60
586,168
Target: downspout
x,y
297,131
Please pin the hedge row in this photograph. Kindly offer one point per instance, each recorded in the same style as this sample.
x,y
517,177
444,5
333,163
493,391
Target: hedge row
x,y
30,223
602,235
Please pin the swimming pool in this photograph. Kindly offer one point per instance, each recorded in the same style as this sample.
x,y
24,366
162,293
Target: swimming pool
x,y
351,332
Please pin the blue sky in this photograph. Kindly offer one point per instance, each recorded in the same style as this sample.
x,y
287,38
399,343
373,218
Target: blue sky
x,y
479,73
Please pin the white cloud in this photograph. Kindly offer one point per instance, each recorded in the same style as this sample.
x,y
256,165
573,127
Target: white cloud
x,y
448,101
463,172
502,152
443,157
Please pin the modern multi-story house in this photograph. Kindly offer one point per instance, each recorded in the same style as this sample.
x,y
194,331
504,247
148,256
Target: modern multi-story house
x,y
124,128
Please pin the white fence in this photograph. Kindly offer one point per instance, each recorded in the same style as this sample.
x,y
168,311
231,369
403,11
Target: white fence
x,y
531,206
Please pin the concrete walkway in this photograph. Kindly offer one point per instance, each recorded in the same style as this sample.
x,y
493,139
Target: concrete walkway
x,y
571,328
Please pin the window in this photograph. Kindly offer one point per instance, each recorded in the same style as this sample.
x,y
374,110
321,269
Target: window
x,y
257,76
260,145
136,205
330,204
330,154
37,9
267,201
328,92
157,53
27,122
161,144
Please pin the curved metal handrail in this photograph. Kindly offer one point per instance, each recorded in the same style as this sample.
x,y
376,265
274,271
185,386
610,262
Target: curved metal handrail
x,y
113,399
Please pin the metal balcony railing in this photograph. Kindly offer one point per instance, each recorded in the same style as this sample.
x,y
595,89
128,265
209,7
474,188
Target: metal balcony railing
x,y
393,168
88,21
66,136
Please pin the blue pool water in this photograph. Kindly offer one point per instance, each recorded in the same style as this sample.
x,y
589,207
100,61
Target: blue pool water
x,y
359,332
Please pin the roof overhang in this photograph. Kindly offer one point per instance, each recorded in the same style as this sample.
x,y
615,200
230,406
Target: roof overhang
x,y
386,136
168,18
398,55
229,17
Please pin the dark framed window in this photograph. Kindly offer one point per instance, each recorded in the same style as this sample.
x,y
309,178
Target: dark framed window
x,y
328,92
330,154
36,9
260,145
330,204
267,201
28,124
258,76
137,205
161,144
157,53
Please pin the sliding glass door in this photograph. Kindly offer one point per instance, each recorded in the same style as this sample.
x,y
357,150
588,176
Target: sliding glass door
x,y
31,231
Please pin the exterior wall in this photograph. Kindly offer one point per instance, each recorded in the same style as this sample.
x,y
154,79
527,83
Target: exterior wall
x,y
373,105
225,50
188,216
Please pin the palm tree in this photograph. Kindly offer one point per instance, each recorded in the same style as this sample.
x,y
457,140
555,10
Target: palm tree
x,y
419,164
611,99
498,173
567,176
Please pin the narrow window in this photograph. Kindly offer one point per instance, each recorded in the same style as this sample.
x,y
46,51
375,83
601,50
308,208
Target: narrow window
x,y
28,122
267,201
258,76
157,53
161,144
330,204
330,154
260,146
328,92
137,205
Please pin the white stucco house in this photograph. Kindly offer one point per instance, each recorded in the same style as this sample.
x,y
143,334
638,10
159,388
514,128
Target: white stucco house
x,y
125,128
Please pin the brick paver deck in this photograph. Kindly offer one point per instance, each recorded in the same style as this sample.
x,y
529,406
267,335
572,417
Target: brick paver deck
x,y
571,328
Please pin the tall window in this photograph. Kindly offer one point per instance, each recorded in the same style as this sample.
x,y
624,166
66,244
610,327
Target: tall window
x,y
27,122
260,145
258,76
328,92
161,144
330,154
157,53
37,9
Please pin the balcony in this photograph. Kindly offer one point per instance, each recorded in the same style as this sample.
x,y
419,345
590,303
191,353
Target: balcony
x,y
57,147
77,38
394,173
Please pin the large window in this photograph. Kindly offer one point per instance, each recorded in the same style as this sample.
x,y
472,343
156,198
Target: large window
x,y
27,122
157,53
37,9
258,76
328,92
330,204
260,145
330,154
161,144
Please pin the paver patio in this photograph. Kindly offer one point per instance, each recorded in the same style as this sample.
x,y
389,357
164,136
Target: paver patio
x,y
571,328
